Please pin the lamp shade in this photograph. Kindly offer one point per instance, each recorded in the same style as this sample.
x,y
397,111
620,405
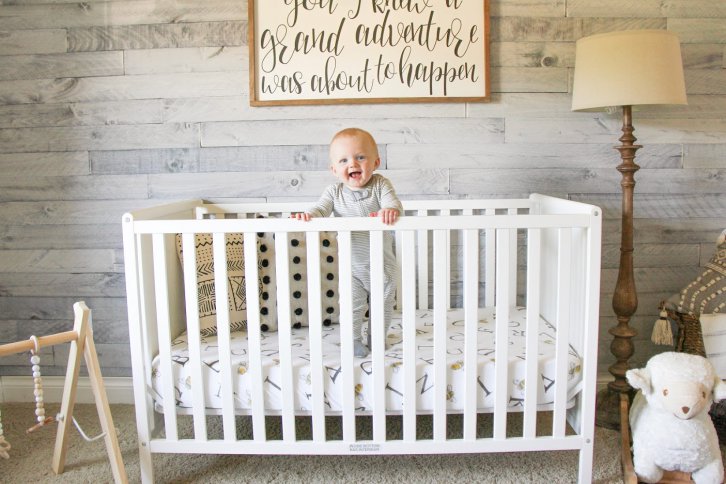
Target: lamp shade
x,y
628,68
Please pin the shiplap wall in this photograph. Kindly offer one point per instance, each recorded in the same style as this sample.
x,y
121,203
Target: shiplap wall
x,y
112,106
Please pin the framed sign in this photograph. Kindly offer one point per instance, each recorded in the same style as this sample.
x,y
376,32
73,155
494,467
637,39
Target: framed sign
x,y
365,51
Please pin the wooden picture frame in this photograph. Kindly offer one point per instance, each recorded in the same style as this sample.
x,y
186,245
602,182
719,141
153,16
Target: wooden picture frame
x,y
368,51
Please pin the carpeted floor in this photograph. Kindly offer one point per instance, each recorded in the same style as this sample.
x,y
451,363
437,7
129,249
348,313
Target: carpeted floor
x,y
87,462
31,454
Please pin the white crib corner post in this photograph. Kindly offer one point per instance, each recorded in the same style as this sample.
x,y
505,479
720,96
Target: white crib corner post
x,y
142,401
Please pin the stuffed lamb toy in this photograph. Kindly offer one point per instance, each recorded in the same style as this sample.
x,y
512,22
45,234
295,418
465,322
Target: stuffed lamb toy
x,y
669,418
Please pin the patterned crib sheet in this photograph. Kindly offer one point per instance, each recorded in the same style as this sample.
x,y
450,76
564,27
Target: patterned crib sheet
x,y
363,375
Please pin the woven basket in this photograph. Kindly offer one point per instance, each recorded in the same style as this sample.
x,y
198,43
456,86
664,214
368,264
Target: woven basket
x,y
689,339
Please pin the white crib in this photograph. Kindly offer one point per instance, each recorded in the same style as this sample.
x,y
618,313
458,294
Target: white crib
x,y
519,272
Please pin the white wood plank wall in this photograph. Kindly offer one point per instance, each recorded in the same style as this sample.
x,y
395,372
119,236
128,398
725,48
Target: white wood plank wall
x,y
107,106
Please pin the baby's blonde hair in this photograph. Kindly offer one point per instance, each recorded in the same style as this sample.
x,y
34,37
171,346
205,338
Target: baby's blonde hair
x,y
357,132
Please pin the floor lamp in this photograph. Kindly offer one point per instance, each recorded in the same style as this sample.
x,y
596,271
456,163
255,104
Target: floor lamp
x,y
625,69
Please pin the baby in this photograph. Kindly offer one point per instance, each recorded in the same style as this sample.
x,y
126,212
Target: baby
x,y
361,193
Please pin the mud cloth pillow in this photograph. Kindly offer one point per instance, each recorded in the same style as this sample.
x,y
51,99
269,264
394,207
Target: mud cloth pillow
x,y
707,293
236,294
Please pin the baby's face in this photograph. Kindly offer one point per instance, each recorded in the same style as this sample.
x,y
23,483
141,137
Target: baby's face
x,y
353,159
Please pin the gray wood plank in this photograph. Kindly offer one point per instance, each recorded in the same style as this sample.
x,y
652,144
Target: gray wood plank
x,y
221,159
526,28
660,205
529,79
61,260
525,155
119,137
54,212
255,133
46,41
654,255
236,108
532,54
699,30
107,332
272,158
614,8
528,8
81,64
591,180
702,56
115,88
652,279
44,164
694,8
601,25
13,17
191,59
282,183
704,156
81,114
61,236
673,230
72,188
602,128
62,285
41,308
158,36
706,81
142,161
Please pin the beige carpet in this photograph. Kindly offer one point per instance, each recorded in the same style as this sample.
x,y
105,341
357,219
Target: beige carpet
x,y
30,460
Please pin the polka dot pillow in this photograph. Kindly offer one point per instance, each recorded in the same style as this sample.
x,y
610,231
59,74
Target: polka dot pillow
x,y
328,275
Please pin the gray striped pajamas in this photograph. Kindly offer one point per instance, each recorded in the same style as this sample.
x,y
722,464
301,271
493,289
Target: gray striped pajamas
x,y
341,201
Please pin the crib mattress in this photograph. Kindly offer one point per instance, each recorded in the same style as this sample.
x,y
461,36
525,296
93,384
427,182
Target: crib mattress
x,y
363,378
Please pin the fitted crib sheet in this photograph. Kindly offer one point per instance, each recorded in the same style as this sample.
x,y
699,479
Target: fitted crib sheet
x,y
425,383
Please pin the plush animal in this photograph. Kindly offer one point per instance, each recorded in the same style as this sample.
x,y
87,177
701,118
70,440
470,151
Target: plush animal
x,y
669,419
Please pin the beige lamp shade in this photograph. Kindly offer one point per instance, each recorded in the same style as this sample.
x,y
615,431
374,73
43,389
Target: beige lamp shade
x,y
628,68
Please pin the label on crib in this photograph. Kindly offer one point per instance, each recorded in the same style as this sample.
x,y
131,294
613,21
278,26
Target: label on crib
x,y
365,447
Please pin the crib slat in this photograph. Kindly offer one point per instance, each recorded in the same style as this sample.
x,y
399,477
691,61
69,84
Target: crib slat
x,y
513,262
378,334
440,283
315,318
221,291
254,367
408,269
563,331
194,339
397,247
531,381
423,265
345,302
471,323
284,327
501,341
161,285
447,287
489,263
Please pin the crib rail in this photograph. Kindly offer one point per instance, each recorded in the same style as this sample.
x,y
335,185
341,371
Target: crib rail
x,y
540,252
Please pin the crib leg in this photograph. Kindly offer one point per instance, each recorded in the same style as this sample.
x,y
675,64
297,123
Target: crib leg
x,y
585,464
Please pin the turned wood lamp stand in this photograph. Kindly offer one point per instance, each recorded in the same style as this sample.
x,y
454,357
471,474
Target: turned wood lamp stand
x,y
629,68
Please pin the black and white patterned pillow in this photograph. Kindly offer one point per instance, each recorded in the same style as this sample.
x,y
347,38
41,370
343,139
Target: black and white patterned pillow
x,y
328,276
707,293
237,300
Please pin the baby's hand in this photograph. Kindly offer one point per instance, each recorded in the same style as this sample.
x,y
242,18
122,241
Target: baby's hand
x,y
387,215
301,216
